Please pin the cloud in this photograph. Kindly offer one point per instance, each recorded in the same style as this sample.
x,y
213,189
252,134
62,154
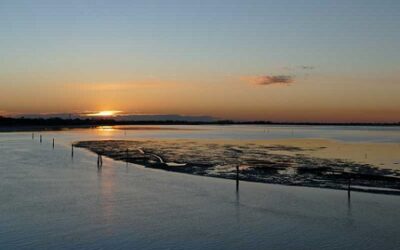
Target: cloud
x,y
270,80
307,67
299,68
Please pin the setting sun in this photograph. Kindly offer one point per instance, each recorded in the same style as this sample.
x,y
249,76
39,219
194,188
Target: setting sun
x,y
105,113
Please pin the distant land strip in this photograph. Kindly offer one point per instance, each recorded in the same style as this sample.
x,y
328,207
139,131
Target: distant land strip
x,y
23,124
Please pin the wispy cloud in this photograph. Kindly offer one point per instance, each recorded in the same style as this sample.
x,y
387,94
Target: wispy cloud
x,y
307,67
298,68
269,79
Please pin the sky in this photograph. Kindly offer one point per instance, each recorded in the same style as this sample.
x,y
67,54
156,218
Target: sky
x,y
310,60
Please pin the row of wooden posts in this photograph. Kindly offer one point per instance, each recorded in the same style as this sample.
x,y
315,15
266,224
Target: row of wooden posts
x,y
99,156
53,143
40,138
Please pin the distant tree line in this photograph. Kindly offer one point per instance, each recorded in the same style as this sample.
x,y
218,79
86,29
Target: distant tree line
x,y
79,122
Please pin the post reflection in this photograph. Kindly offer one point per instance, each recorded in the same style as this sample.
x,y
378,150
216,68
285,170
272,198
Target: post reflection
x,y
106,197
237,203
349,215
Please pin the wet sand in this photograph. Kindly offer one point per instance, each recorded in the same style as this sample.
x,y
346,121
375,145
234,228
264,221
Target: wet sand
x,y
371,167
383,155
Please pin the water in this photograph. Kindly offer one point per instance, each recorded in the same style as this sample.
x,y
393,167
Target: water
x,y
49,200
261,132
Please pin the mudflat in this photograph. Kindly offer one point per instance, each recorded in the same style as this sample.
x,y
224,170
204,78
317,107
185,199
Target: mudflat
x,y
369,167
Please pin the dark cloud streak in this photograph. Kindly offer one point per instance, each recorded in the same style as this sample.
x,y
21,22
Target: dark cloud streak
x,y
273,79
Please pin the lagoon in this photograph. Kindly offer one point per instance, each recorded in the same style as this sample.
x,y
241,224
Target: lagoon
x,y
51,200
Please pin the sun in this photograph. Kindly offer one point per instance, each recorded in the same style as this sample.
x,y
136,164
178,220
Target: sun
x,y
105,113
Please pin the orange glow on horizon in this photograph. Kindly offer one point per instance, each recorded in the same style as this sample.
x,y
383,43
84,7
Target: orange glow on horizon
x,y
105,113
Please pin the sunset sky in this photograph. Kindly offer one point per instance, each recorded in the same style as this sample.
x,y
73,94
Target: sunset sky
x,y
247,60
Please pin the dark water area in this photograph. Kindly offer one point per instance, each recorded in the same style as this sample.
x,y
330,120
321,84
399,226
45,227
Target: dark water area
x,y
50,200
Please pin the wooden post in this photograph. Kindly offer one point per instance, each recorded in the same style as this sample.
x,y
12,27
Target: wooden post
x,y
40,138
33,136
53,143
237,178
349,187
99,161
72,150
127,157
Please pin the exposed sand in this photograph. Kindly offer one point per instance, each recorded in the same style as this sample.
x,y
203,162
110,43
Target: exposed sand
x,y
382,155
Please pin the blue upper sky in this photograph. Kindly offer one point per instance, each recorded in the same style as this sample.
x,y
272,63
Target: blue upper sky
x,y
214,32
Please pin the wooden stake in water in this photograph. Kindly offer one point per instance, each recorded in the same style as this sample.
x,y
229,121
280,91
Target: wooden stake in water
x,y
127,156
40,138
53,143
349,187
237,178
33,136
99,161
72,150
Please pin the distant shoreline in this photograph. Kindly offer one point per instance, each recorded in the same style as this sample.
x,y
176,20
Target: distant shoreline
x,y
40,124
28,128
10,129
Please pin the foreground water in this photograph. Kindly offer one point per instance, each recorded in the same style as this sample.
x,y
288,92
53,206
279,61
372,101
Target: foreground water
x,y
49,200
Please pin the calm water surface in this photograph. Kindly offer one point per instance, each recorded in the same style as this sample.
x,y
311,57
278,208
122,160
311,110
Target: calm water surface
x,y
49,200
